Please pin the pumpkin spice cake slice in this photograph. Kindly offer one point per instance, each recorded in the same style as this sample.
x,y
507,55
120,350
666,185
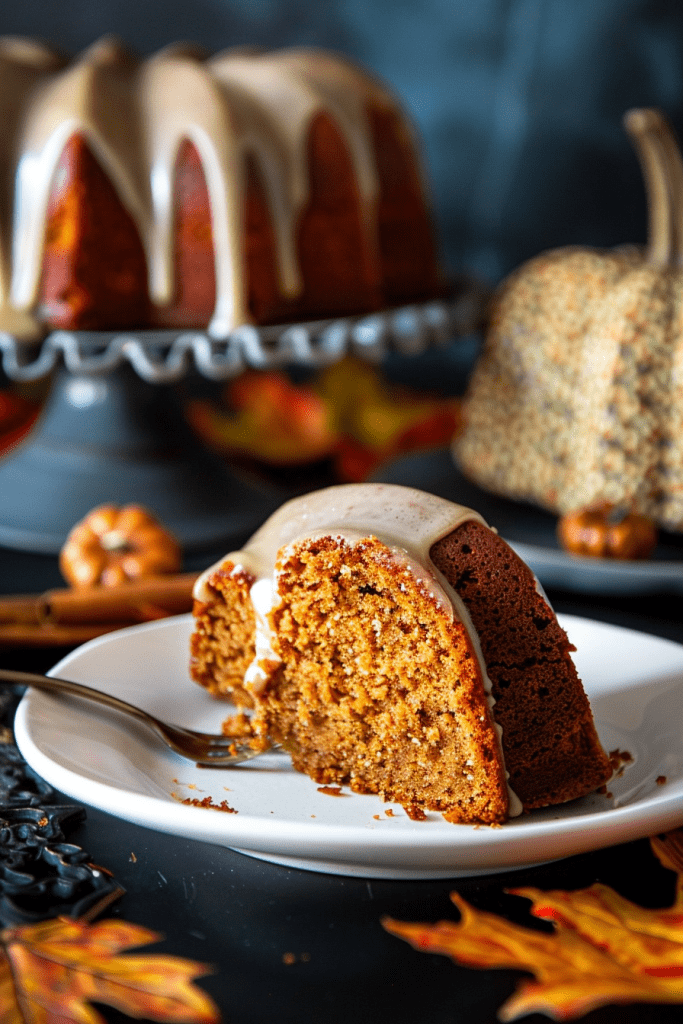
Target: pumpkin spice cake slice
x,y
392,642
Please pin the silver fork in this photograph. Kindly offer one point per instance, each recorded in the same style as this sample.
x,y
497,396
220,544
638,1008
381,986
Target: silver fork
x,y
201,747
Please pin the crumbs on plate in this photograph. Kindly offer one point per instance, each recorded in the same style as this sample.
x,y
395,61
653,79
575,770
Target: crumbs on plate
x,y
619,759
208,802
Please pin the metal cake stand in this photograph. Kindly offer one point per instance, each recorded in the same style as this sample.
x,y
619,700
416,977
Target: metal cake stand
x,y
112,429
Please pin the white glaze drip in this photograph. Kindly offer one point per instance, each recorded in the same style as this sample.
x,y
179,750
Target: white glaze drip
x,y
263,594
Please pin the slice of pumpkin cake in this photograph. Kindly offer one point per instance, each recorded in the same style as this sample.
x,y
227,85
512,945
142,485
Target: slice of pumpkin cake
x,y
392,642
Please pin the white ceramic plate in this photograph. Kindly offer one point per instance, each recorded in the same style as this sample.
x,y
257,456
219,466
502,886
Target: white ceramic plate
x,y
634,681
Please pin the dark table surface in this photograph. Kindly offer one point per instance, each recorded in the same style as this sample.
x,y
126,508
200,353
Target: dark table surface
x,y
243,916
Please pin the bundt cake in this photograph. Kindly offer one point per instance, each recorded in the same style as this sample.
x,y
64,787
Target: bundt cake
x,y
392,641
576,401
193,190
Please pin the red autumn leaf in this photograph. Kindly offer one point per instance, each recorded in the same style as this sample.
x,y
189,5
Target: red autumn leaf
x,y
353,462
53,971
269,419
17,416
347,412
604,949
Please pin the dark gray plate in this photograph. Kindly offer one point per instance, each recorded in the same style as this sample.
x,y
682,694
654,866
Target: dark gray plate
x,y
531,532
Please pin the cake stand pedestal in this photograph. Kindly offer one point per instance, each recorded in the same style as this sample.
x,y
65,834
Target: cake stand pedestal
x,y
116,438
112,429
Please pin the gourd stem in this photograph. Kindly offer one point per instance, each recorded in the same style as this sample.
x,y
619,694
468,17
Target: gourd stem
x,y
646,128
672,154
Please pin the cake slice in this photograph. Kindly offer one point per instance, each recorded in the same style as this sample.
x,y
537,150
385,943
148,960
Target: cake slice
x,y
392,642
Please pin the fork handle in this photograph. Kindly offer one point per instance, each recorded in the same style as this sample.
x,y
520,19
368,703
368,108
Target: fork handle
x,y
53,684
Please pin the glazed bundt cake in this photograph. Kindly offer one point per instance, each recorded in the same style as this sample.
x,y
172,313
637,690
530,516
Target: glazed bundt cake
x,y
187,190
392,641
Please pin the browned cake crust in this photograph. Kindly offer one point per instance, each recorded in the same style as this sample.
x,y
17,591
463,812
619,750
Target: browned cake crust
x,y
222,644
551,748
379,687
93,260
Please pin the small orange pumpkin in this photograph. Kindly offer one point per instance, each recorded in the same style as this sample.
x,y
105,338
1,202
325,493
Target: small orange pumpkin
x,y
605,531
112,545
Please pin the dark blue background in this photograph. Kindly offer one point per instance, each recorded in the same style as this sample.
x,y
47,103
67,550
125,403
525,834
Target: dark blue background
x,y
519,102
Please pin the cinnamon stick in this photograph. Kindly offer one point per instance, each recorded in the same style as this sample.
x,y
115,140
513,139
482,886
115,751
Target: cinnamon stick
x,y
22,608
69,617
138,601
27,634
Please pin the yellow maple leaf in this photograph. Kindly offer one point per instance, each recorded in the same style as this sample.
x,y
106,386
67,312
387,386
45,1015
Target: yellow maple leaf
x,y
604,949
54,970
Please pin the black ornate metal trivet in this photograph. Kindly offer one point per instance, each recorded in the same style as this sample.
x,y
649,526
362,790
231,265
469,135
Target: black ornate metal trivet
x,y
42,874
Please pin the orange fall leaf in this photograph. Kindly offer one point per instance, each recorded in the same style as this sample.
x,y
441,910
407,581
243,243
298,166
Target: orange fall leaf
x,y
53,971
347,413
604,949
